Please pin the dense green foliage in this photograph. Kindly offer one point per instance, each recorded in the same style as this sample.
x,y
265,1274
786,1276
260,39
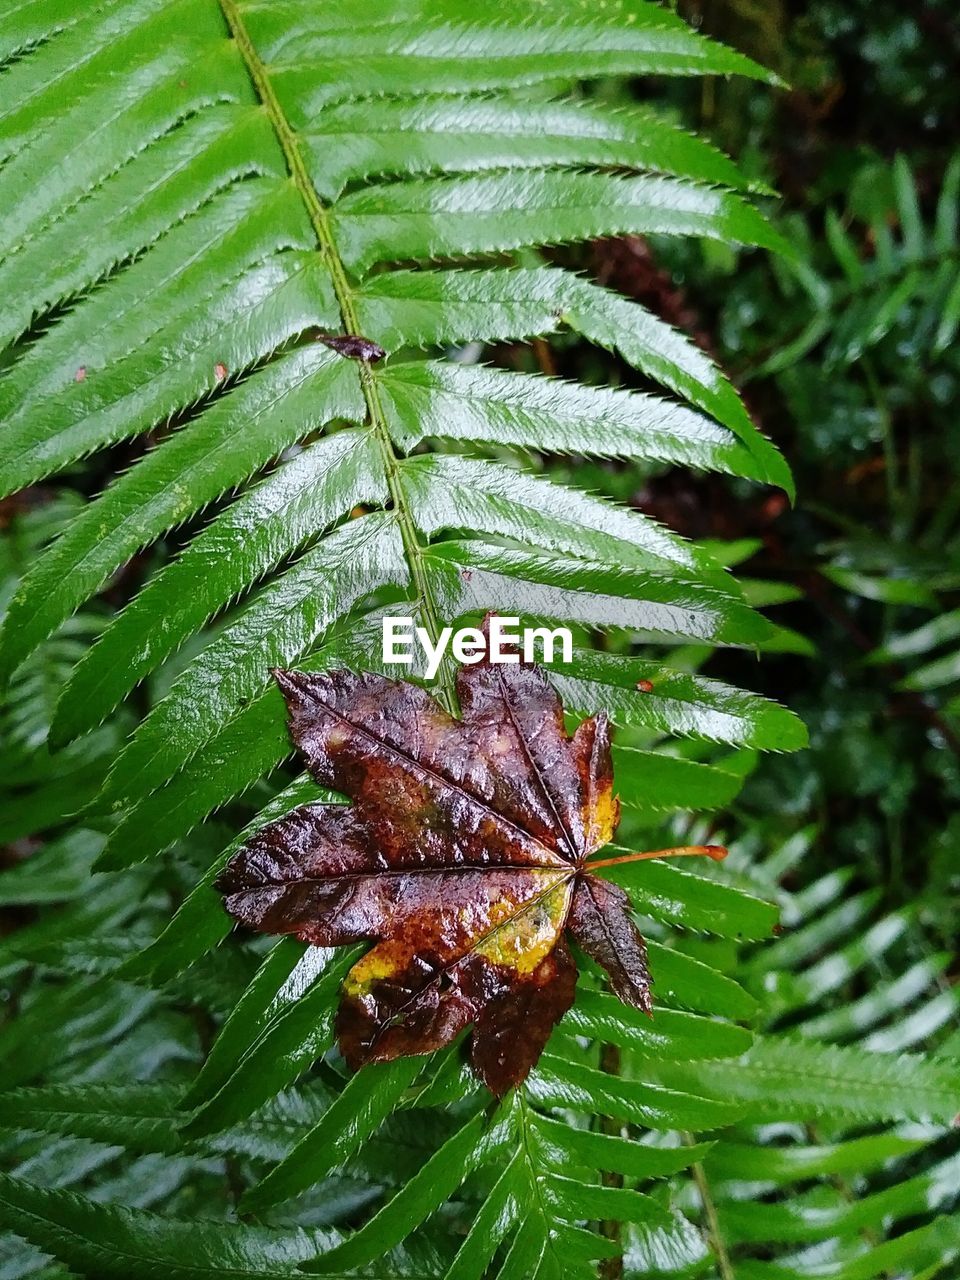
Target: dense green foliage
x,y
865,146
191,192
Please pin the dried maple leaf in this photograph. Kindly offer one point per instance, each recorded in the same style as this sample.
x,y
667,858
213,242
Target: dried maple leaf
x,y
462,856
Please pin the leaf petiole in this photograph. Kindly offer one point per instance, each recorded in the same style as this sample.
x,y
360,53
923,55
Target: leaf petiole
x,y
715,851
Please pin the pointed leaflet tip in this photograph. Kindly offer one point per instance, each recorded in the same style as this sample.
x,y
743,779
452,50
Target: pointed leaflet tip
x,y
299,687
601,923
289,681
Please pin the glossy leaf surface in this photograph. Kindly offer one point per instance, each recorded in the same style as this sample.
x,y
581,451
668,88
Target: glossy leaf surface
x,y
463,856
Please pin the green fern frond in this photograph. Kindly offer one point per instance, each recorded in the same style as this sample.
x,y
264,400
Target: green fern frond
x,y
199,312
880,281
250,177
810,1183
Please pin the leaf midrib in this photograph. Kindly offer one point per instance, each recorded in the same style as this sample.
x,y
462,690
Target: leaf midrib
x,y
560,864
559,874
319,218
481,940
225,444
535,768
292,608
134,303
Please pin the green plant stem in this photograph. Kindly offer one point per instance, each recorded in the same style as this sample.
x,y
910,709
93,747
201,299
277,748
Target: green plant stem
x,y
891,464
206,1035
611,1268
320,221
713,1231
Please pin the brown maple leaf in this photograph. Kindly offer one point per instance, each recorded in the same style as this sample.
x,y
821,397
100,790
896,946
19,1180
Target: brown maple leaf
x,y
463,856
